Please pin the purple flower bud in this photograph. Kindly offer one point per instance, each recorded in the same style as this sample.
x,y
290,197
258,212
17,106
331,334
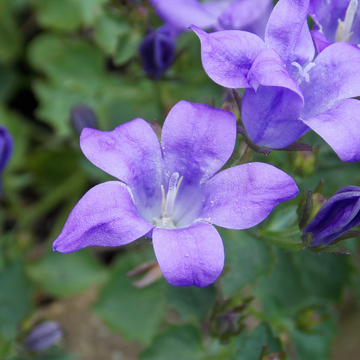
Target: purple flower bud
x,y
82,117
157,52
339,214
43,336
6,145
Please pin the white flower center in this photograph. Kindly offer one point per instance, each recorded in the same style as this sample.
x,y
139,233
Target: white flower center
x,y
167,203
343,32
303,72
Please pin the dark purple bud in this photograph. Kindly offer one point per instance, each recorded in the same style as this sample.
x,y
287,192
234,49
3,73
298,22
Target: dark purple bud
x,y
338,215
6,145
82,117
157,52
43,336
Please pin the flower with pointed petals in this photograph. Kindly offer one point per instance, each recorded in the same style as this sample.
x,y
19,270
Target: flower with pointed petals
x,y
288,90
338,215
250,15
336,20
172,192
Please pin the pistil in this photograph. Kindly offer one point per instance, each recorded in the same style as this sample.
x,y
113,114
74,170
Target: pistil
x,y
303,72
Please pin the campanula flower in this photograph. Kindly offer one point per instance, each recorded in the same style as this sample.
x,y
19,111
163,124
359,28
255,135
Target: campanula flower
x,y
288,90
338,215
43,336
336,20
157,52
250,15
6,145
172,191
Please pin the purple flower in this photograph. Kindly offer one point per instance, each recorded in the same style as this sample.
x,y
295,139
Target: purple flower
x,y
250,15
157,52
288,90
336,20
172,191
6,145
43,336
338,215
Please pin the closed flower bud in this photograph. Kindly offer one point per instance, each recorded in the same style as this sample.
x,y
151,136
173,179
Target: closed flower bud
x,y
337,216
157,52
6,145
43,336
82,117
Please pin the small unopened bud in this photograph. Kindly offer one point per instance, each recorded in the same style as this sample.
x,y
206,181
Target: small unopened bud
x,y
157,52
43,336
6,145
309,318
81,117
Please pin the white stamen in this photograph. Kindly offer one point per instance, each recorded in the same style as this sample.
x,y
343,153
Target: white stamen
x,y
343,32
168,201
303,72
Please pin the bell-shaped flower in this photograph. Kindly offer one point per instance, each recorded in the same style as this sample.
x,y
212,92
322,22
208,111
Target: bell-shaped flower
x,y
172,191
157,51
336,20
288,90
338,215
249,15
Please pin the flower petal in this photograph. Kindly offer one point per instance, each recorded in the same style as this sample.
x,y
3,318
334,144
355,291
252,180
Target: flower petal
x,y
104,216
197,140
228,55
179,14
340,128
288,33
189,256
336,76
241,14
270,113
131,153
243,196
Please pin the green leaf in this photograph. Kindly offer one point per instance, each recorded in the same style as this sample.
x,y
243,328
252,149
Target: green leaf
x,y
315,344
61,15
107,32
191,302
135,313
15,295
250,345
247,260
10,39
90,10
301,279
127,46
67,274
181,342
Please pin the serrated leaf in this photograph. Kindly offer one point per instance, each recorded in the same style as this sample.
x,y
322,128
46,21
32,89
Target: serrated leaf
x,y
247,260
65,275
15,301
135,313
181,342
191,302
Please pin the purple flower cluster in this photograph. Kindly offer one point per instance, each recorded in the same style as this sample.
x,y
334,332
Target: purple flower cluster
x,y
288,89
172,191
